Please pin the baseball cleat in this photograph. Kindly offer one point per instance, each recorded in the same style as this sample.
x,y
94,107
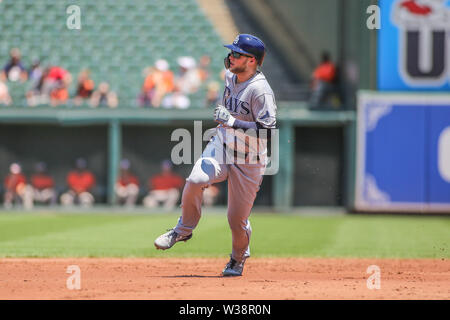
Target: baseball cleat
x,y
168,239
233,268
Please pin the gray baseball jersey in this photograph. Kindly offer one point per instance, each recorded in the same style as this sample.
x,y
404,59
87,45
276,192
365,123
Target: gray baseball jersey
x,y
252,100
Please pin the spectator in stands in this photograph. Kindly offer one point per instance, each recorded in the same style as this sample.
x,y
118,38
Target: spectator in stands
x,y
43,185
145,96
222,74
56,83
176,99
164,188
159,81
127,186
212,94
16,188
36,72
36,78
5,98
103,96
80,182
14,70
204,68
188,79
322,84
85,87
210,195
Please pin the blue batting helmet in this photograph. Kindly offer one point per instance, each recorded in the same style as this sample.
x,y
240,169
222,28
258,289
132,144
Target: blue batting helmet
x,y
248,44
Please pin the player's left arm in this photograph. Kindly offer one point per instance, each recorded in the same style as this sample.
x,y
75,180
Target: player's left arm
x,y
223,116
264,109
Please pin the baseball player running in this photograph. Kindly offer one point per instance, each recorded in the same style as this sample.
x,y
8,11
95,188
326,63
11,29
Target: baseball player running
x,y
237,151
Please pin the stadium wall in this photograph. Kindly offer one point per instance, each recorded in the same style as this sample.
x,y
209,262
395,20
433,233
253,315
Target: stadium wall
x,y
323,141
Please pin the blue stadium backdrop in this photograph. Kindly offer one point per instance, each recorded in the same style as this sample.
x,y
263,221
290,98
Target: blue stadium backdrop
x,y
403,152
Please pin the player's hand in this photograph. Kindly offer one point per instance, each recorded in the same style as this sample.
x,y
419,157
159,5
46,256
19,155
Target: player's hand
x,y
223,116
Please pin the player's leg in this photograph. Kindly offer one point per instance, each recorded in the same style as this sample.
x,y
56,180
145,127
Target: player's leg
x,y
68,198
152,199
208,169
8,199
37,195
148,201
132,194
171,199
86,199
26,196
121,193
44,196
243,184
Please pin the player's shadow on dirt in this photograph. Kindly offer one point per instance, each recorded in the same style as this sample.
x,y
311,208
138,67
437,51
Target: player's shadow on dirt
x,y
191,276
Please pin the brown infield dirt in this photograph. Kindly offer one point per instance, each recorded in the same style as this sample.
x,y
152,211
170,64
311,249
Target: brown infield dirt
x,y
200,279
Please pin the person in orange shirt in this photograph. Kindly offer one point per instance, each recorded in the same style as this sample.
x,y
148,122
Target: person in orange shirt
x,y
127,186
164,188
158,82
17,190
43,185
57,81
322,82
80,182
85,87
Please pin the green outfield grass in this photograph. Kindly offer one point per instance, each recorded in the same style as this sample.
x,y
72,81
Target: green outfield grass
x,y
132,235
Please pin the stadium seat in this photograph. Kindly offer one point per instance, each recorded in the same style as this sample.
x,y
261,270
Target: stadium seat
x,y
117,38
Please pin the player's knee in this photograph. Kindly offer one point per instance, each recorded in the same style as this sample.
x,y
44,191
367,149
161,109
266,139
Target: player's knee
x,y
198,180
202,172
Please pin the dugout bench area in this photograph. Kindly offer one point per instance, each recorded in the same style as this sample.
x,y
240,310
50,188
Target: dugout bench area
x,y
316,148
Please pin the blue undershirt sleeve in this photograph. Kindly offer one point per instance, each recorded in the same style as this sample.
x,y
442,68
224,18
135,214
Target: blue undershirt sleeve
x,y
241,124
